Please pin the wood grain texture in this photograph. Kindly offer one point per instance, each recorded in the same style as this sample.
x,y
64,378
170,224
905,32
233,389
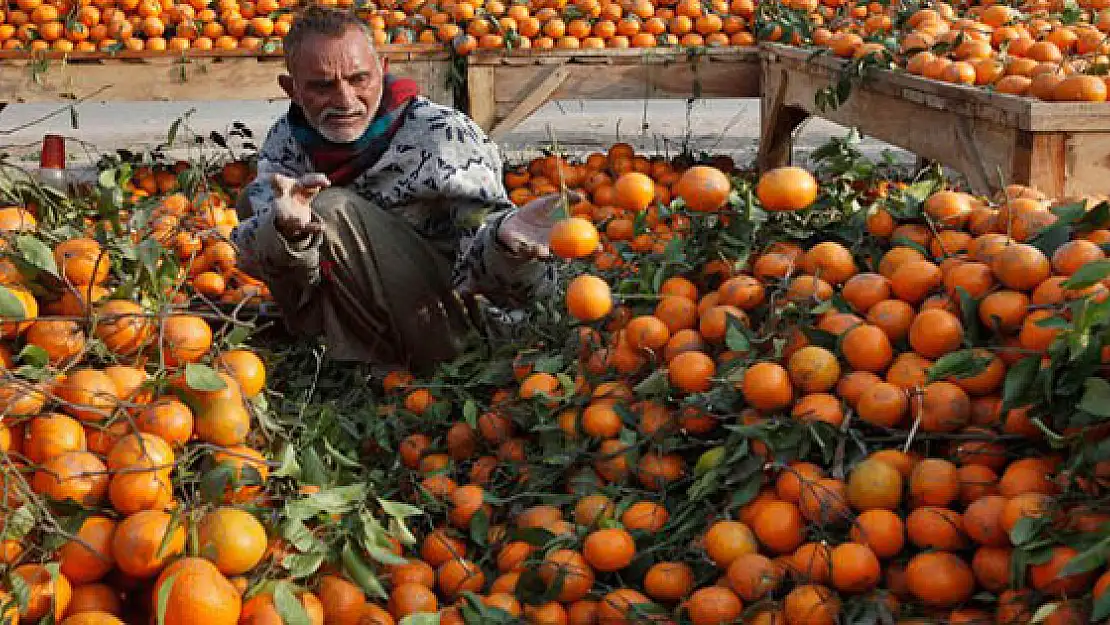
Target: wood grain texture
x,y
994,139
606,75
133,77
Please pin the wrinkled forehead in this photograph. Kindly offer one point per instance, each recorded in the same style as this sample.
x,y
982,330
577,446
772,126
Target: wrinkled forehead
x,y
327,57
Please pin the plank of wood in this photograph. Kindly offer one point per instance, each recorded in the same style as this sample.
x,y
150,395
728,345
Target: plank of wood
x,y
480,96
678,80
1066,164
976,147
167,78
539,94
1021,112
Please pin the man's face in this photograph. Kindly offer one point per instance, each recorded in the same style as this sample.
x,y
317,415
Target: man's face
x,y
337,81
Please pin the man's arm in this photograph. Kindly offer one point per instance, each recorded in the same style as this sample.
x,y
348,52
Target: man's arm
x,y
290,266
472,190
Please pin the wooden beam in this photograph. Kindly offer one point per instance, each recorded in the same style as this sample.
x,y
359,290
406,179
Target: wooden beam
x,y
480,96
551,81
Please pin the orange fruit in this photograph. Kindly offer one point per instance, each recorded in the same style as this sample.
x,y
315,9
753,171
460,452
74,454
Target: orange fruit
x,y
609,550
634,191
703,188
573,238
588,298
197,587
233,539
786,189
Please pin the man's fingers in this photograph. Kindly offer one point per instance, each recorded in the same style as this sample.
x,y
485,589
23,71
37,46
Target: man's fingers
x,y
281,184
318,181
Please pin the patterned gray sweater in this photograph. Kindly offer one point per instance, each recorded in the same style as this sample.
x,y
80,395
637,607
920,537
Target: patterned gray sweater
x,y
440,173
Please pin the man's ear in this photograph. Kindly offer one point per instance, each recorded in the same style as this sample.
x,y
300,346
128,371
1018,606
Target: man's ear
x,y
289,87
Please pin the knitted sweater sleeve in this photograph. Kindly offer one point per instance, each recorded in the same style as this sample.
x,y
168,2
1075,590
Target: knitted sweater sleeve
x,y
471,185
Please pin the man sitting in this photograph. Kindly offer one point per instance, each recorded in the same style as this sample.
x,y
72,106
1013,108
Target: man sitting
x,y
374,208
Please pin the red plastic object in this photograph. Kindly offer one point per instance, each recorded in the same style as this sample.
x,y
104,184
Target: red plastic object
x,y
53,152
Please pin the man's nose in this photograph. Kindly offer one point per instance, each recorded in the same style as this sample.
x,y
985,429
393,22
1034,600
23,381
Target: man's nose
x,y
345,95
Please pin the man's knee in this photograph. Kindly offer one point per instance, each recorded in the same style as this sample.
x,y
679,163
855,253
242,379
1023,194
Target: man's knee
x,y
333,203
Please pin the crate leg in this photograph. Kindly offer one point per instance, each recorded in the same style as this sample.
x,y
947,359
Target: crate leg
x,y
1040,161
776,145
778,123
480,96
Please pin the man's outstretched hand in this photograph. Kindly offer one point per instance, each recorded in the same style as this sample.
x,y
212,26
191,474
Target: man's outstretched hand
x,y
527,231
293,204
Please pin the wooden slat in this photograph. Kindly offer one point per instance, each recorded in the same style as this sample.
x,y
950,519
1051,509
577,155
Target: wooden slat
x,y
539,94
611,75
1024,113
994,139
224,77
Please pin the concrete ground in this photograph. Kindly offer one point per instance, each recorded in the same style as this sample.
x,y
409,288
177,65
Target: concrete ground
x,y
656,126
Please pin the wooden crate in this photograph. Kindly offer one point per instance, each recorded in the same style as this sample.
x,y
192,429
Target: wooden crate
x,y
1062,148
504,88
235,75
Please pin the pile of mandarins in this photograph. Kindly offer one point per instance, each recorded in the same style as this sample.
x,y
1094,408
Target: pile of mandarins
x,y
103,399
161,25
807,433
927,521
1028,50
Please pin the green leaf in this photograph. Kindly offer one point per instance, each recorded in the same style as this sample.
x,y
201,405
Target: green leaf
x,y
962,364
470,413
18,523
383,555
203,378
1088,560
288,607
479,527
34,356
171,529
422,618
535,536
1096,397
1088,275
289,467
361,573
21,592
1025,531
1102,607
163,599
38,255
107,178
1018,380
11,308
655,384
214,483
1043,613
736,340
399,510
302,565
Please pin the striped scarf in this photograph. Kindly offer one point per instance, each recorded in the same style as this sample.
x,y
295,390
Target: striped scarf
x,y
342,163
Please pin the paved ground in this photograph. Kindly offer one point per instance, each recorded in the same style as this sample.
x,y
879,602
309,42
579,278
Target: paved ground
x,y
717,126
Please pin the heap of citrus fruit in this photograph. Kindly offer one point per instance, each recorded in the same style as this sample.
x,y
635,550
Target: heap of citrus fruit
x,y
820,430
729,415
162,25
1035,49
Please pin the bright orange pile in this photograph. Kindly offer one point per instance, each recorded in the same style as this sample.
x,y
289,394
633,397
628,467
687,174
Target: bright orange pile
x,y
1030,50
916,534
164,25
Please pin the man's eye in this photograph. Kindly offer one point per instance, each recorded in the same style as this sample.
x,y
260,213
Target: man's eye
x,y
359,80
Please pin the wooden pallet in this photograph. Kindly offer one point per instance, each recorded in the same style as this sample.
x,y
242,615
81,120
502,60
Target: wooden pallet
x,y
994,139
504,88
130,76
